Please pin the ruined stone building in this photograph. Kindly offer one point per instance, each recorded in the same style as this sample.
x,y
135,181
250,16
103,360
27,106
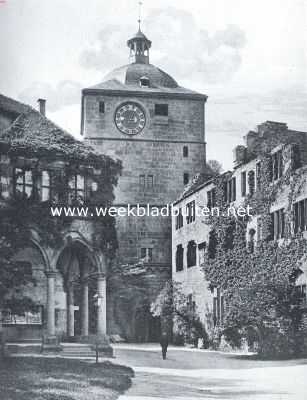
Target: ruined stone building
x,y
285,151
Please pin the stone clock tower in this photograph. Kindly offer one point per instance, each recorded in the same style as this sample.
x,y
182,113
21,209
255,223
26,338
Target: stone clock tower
x,y
140,115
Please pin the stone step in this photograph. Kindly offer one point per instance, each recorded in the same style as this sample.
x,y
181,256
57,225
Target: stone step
x,y
88,355
19,348
26,341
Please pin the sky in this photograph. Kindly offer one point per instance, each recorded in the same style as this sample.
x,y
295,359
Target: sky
x,y
248,56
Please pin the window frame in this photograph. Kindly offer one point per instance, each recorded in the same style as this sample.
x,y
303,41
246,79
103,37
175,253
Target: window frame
x,y
102,107
191,254
190,212
24,183
75,189
243,183
186,178
49,187
179,219
161,110
179,258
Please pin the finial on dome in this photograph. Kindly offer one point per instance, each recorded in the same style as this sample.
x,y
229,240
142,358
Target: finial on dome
x,y
139,45
140,19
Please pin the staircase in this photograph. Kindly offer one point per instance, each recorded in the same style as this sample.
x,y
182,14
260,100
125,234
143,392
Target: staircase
x,y
77,350
25,346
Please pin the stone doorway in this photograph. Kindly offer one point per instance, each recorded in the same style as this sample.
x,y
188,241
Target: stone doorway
x,y
83,293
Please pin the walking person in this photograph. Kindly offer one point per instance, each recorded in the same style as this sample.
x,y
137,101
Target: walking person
x,y
164,345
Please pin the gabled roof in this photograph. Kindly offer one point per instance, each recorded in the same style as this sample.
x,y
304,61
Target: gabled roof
x,y
32,134
12,106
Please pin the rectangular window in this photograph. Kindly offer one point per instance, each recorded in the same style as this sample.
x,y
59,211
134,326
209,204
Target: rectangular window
x,y
46,186
146,254
179,258
185,151
300,216
215,320
101,107
231,190
179,219
211,198
149,181
27,318
251,182
23,182
243,183
278,222
218,307
4,186
234,190
186,178
161,110
191,254
301,291
142,181
146,182
76,188
258,173
277,165
190,209
201,252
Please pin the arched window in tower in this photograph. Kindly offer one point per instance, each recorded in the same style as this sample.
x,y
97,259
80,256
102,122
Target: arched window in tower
x,y
185,151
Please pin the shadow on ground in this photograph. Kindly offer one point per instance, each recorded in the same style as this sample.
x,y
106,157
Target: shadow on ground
x,y
61,379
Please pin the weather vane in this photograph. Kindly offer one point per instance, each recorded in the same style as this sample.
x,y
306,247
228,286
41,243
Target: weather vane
x,y
140,9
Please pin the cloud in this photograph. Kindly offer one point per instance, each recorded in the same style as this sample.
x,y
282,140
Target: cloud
x,y
65,93
179,45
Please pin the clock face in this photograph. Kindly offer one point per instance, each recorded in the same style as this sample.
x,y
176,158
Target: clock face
x,y
130,118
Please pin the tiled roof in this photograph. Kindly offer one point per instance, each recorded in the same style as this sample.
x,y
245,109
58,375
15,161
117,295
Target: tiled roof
x,y
12,106
33,133
127,77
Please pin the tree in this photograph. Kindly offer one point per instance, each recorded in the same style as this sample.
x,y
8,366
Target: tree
x,y
215,166
14,275
173,306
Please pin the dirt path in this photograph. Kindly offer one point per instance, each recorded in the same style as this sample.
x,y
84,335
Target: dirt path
x,y
190,375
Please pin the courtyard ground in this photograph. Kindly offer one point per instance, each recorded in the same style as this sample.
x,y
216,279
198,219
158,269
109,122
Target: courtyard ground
x,y
189,374
45,378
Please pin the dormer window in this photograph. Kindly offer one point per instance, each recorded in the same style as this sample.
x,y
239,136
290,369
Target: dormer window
x,y
144,81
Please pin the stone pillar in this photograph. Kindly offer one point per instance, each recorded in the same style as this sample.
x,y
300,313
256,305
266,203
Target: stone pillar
x,y
102,305
50,303
84,308
70,311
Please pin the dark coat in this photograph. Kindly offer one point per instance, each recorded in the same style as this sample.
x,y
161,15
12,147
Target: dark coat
x,y
164,341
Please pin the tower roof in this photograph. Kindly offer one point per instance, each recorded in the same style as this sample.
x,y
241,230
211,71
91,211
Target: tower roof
x,y
139,36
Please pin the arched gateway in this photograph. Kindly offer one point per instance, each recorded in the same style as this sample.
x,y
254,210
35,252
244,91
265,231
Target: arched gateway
x,y
76,291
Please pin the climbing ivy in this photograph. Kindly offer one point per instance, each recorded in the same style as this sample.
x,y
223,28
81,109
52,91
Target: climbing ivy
x,y
258,283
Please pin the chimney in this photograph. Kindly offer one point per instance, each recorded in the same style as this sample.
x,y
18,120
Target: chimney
x,y
42,106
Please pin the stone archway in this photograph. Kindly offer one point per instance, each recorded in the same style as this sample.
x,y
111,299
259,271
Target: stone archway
x,y
78,278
